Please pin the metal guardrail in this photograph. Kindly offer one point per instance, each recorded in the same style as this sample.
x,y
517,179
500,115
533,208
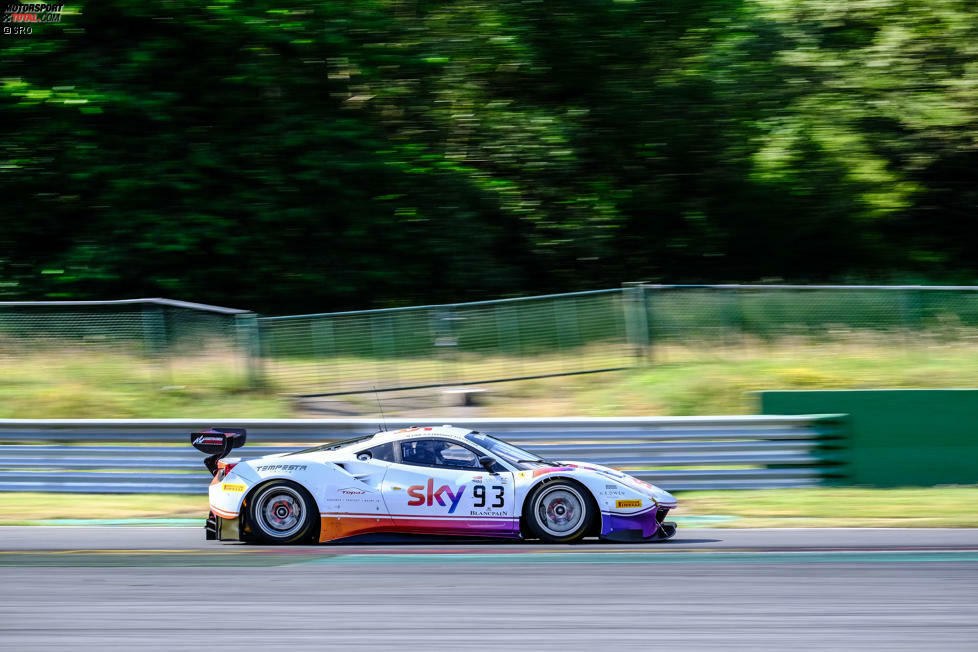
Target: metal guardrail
x,y
677,453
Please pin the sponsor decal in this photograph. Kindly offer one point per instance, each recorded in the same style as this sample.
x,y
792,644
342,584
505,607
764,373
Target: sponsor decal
x,y
477,478
352,491
422,495
610,486
227,486
625,504
281,467
209,440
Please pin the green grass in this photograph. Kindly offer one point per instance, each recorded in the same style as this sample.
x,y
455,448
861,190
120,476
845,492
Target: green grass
x,y
822,507
78,385
680,381
23,507
722,380
837,507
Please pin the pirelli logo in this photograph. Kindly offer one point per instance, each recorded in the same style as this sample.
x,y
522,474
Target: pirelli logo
x,y
627,504
233,487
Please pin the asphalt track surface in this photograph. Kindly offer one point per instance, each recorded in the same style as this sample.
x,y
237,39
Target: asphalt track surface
x,y
80,588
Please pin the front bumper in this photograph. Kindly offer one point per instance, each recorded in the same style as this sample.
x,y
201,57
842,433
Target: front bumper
x,y
649,525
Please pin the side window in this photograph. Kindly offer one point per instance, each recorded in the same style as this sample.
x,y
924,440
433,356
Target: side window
x,y
438,452
384,453
460,456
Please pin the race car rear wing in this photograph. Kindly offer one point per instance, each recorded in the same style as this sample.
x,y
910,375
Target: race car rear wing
x,y
217,443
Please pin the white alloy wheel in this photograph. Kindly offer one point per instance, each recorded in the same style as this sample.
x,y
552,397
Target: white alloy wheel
x,y
281,512
559,512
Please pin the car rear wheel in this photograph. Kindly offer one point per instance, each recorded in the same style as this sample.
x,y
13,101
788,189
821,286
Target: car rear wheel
x,y
559,511
282,512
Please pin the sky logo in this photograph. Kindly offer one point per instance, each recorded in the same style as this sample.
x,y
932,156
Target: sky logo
x,y
421,497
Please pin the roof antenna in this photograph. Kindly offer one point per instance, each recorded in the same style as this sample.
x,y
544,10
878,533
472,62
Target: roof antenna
x,y
383,419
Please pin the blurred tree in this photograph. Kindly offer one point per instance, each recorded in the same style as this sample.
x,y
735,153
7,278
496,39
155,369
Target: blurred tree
x,y
374,152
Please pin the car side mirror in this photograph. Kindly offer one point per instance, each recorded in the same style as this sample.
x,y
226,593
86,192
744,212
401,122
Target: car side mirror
x,y
487,462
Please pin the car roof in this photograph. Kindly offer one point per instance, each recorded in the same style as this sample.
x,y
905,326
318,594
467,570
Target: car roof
x,y
419,432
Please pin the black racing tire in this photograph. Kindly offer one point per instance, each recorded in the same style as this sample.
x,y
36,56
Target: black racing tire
x,y
559,511
282,512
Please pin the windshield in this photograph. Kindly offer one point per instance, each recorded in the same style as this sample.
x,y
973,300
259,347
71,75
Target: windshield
x,y
514,455
332,446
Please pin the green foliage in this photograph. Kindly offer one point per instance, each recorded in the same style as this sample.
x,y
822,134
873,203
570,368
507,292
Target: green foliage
x,y
330,155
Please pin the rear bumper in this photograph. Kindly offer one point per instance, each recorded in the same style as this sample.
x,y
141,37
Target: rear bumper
x,y
217,528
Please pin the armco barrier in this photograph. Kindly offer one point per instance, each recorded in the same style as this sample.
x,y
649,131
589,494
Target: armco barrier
x,y
677,453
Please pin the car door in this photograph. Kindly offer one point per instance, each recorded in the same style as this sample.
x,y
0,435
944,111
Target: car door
x,y
437,486
352,502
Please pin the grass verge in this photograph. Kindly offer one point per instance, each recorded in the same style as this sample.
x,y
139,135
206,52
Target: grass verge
x,y
715,379
86,384
686,381
23,508
822,507
837,507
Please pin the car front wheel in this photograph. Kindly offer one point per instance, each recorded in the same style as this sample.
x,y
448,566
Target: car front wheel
x,y
559,512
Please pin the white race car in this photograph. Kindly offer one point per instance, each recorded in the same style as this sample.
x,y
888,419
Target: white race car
x,y
423,480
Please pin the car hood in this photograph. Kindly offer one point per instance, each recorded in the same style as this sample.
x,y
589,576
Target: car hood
x,y
661,496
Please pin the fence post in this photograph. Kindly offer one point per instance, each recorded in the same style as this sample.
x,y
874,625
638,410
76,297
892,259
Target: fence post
x,y
568,335
155,336
249,343
508,332
446,342
636,320
649,322
384,349
323,345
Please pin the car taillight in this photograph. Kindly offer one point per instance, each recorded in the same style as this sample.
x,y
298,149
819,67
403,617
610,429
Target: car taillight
x,y
223,468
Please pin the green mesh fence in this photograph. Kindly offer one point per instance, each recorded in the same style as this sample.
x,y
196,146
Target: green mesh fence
x,y
718,314
157,342
167,343
430,346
